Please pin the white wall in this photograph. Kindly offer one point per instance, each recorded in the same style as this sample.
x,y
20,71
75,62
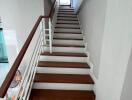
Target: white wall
x,y
127,87
47,6
107,25
18,17
115,50
29,11
92,17
9,15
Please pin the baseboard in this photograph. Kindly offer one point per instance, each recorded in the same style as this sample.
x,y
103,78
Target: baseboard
x,y
91,70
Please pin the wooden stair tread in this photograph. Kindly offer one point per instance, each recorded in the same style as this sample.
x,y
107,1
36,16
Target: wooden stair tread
x,y
67,23
66,16
66,9
67,45
63,78
43,94
64,54
68,32
63,64
67,12
67,39
60,11
68,27
67,19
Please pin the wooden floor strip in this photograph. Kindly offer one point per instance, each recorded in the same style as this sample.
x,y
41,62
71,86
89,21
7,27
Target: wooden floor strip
x,y
63,64
39,94
67,45
64,54
63,78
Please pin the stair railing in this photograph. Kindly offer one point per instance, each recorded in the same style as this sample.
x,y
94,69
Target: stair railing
x,y
28,57
49,32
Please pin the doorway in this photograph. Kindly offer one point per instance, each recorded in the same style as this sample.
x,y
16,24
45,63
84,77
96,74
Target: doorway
x,y
65,2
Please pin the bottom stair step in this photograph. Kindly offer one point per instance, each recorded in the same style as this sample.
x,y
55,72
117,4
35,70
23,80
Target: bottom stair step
x,y
40,94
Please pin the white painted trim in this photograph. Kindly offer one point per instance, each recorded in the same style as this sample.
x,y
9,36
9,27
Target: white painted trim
x,y
63,86
63,59
61,70
75,42
91,70
66,49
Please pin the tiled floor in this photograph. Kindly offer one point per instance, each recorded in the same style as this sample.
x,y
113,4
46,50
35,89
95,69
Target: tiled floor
x,y
4,68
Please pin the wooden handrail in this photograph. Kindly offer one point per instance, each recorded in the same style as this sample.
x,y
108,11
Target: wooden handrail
x,y
6,84
52,8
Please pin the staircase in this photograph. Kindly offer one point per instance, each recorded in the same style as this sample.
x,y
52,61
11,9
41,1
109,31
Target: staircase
x,y
64,74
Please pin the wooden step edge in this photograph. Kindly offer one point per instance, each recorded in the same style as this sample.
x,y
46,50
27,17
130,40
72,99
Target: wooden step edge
x,y
68,23
64,54
68,32
67,16
68,27
68,39
62,45
66,11
63,64
47,37
67,20
49,94
63,78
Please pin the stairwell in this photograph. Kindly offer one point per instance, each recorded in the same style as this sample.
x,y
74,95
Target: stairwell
x,y
64,73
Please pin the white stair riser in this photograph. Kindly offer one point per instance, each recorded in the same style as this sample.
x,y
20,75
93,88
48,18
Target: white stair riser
x,y
67,18
66,12
66,49
62,21
63,59
82,71
67,30
67,15
63,86
64,7
75,42
69,25
70,36
61,9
